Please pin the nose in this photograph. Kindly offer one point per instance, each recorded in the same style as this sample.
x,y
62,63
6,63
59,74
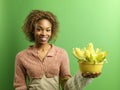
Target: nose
x,y
43,32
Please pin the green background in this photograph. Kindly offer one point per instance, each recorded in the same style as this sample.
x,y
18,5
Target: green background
x,y
81,22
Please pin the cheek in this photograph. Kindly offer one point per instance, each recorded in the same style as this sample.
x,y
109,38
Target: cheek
x,y
36,35
50,33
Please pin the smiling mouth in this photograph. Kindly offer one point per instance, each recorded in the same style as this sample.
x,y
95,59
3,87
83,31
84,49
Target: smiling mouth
x,y
43,39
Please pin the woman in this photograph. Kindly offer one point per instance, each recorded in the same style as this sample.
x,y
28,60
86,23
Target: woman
x,y
45,65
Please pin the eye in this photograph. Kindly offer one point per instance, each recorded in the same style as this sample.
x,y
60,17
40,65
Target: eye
x,y
48,30
38,29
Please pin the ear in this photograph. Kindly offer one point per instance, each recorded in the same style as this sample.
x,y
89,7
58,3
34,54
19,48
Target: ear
x,y
33,31
33,28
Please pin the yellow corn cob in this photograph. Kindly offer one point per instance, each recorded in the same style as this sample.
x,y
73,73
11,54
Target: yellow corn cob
x,y
91,48
101,56
78,53
89,54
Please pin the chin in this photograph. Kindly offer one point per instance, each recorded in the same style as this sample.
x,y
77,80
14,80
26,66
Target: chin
x,y
43,42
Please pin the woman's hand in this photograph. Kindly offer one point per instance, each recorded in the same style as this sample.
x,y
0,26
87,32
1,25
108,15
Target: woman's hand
x,y
90,75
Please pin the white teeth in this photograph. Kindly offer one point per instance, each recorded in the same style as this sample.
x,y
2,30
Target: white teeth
x,y
43,39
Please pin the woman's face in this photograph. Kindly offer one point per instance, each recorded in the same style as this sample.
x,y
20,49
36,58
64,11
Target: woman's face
x,y
43,31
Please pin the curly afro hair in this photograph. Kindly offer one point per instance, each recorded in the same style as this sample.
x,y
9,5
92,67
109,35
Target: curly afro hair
x,y
33,18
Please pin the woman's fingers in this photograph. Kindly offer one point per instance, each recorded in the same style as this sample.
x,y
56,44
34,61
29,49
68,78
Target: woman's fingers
x,y
90,75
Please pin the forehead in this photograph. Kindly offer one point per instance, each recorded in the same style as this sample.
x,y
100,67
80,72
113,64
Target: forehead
x,y
44,23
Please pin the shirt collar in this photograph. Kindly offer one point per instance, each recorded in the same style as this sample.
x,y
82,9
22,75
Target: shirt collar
x,y
52,51
34,51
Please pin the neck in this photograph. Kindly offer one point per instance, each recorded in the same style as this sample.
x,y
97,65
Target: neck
x,y
42,47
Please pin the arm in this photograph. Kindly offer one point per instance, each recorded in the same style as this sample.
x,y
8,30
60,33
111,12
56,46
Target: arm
x,y
64,68
19,75
77,82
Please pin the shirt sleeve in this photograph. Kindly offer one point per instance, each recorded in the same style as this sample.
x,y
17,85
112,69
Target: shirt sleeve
x,y
19,75
64,68
77,82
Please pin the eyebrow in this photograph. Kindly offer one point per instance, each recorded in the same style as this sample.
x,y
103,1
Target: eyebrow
x,y
42,27
38,26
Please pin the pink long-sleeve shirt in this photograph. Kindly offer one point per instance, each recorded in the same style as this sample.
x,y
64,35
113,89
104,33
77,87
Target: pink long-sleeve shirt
x,y
56,63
